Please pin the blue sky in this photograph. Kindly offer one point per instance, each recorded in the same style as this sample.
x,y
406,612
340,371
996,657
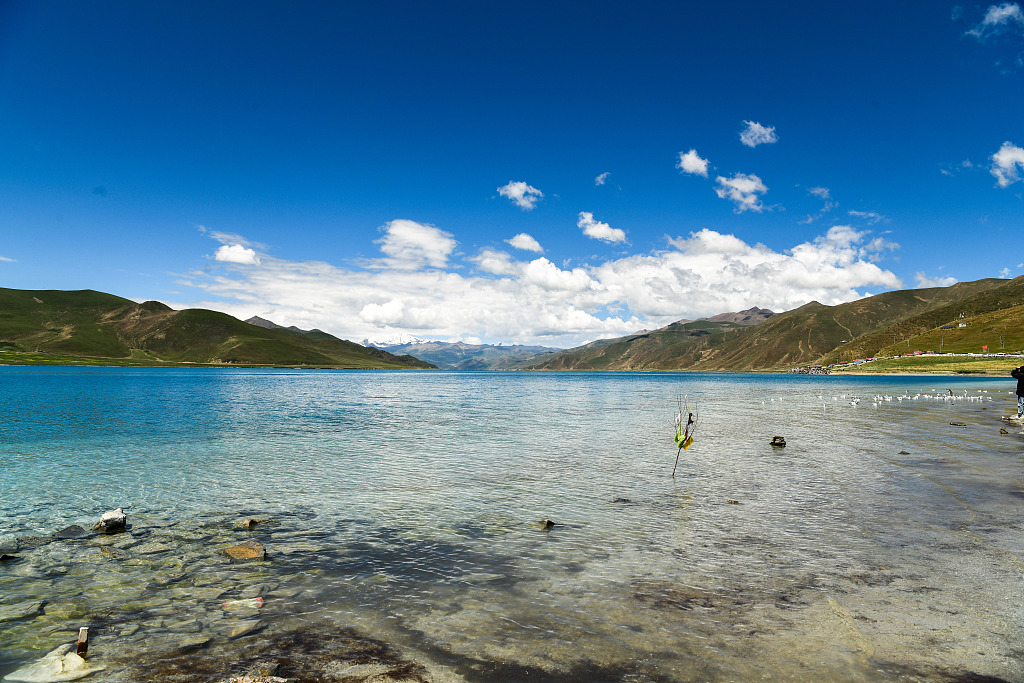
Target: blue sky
x,y
521,173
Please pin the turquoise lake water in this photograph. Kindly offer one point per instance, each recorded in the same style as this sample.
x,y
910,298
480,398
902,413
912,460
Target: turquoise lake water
x,y
883,543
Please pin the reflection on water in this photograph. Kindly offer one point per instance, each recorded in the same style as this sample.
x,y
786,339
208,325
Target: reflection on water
x,y
882,543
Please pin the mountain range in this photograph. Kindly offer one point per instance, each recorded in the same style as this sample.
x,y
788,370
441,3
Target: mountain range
x,y
891,323
64,327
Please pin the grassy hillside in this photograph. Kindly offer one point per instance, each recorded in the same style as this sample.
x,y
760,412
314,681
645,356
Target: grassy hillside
x,y
988,313
811,334
676,347
47,326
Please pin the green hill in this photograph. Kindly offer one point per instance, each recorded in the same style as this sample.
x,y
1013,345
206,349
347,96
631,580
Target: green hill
x,y
52,326
809,335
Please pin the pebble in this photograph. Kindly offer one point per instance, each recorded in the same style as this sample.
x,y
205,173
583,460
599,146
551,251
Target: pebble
x,y
245,627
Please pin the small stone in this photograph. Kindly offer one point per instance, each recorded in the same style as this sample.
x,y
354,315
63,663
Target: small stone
x,y
622,500
4,557
115,553
193,643
111,522
778,441
733,502
244,628
1002,430
73,531
545,524
268,668
957,424
903,453
250,550
253,523
151,548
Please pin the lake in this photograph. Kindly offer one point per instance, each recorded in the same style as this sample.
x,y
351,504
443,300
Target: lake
x,y
400,512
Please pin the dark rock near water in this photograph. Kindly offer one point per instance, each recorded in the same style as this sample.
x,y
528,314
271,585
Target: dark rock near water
x,y
1003,430
253,523
111,522
957,424
778,441
545,524
903,453
73,531
4,557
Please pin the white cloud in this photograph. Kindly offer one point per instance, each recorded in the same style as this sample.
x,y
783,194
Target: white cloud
x,y
546,275
236,253
536,301
525,196
6,260
923,281
872,217
494,262
410,245
743,190
598,230
998,19
755,134
1004,273
1007,163
690,162
599,180
526,243
824,194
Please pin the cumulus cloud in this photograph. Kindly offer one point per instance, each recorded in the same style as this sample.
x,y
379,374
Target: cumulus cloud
x,y
599,180
526,243
755,134
923,281
1004,273
410,245
998,19
236,253
1007,164
598,230
494,262
524,196
537,301
690,162
742,190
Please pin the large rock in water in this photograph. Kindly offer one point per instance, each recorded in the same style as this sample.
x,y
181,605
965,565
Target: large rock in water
x,y
59,665
111,521
250,550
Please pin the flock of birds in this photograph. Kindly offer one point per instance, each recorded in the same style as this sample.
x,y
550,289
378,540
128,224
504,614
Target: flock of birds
x,y
877,400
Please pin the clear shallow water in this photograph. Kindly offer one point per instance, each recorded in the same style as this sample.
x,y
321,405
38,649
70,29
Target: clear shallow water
x,y
403,535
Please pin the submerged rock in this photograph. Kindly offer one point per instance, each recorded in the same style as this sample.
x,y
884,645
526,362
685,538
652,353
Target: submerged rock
x,y
21,610
253,522
250,550
73,531
112,521
58,665
778,441
545,524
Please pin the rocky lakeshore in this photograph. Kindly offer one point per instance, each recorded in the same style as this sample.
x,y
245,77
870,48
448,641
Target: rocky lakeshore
x,y
191,600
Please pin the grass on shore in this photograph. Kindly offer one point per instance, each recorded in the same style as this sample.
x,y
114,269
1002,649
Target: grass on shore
x,y
945,365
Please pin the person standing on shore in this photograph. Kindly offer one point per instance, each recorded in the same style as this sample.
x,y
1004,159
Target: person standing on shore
x,y
1018,375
